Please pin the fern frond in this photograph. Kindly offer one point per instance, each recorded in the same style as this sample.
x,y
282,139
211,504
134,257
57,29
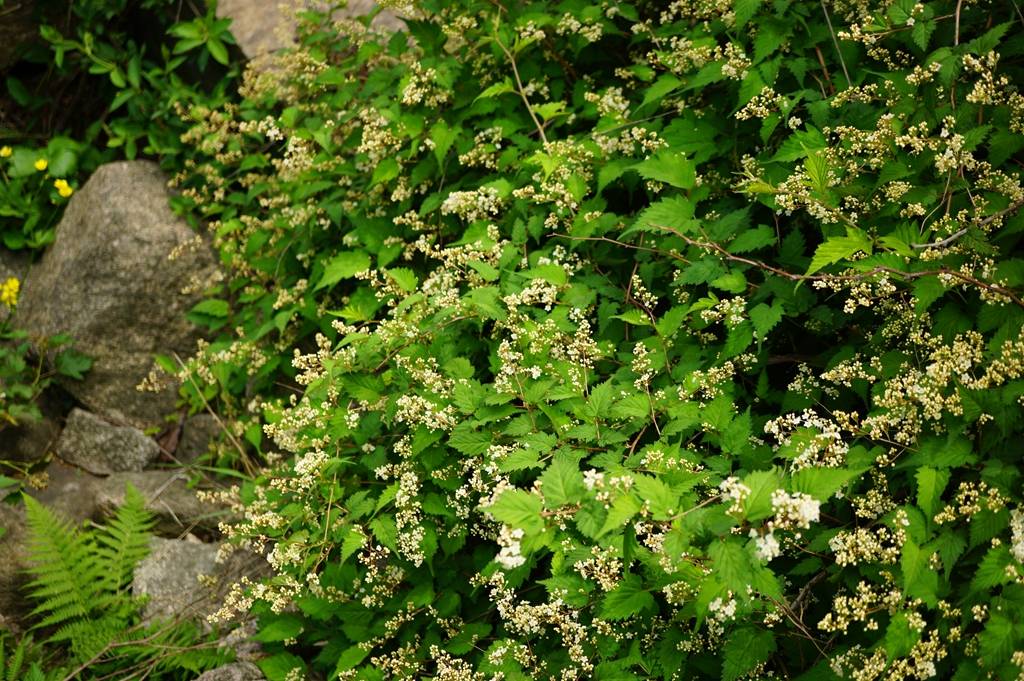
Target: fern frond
x,y
11,668
66,578
123,542
87,638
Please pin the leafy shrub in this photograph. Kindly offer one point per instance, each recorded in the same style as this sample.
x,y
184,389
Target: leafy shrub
x,y
633,340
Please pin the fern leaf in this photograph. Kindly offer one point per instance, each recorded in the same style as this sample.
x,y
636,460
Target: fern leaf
x,y
123,542
65,576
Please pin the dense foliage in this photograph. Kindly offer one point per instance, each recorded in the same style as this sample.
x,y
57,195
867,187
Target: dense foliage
x,y
674,340
620,340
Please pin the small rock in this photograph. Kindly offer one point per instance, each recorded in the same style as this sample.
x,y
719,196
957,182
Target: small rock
x,y
169,575
107,281
176,507
197,435
239,671
100,447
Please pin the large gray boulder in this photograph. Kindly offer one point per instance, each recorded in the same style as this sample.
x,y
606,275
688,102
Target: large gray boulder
x,y
238,671
101,447
108,282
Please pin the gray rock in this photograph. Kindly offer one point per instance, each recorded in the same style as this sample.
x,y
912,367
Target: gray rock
x,y
169,576
13,561
176,507
18,28
260,26
197,435
108,282
239,671
70,491
101,447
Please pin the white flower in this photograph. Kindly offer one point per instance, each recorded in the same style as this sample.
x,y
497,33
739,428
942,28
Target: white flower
x,y
1017,530
795,510
766,547
510,556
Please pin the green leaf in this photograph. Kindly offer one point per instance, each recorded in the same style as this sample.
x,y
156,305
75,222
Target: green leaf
x,y
344,265
627,599
764,318
900,636
675,212
519,509
673,169
838,248
752,239
212,308
822,483
762,484
919,580
746,648
731,564
930,485
72,364
562,483
744,11
501,88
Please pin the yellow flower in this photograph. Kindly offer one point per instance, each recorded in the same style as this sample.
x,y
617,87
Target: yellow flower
x,y
9,292
5,152
63,188
41,164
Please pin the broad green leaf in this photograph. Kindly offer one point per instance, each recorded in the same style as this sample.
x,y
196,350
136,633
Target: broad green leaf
x,y
746,648
562,483
627,599
930,485
344,265
673,169
519,509
837,248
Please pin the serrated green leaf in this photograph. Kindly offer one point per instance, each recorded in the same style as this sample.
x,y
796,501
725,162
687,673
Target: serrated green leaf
x,y
562,483
519,509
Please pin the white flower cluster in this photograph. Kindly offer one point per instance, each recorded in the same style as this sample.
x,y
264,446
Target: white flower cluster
x,y
1017,530
767,546
734,491
510,556
795,510
474,205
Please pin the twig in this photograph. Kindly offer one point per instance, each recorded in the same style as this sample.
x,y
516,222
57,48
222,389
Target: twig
x,y
824,69
956,22
945,242
835,42
522,90
223,427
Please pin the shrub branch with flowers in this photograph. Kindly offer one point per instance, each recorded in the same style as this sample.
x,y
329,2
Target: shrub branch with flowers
x,y
623,340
